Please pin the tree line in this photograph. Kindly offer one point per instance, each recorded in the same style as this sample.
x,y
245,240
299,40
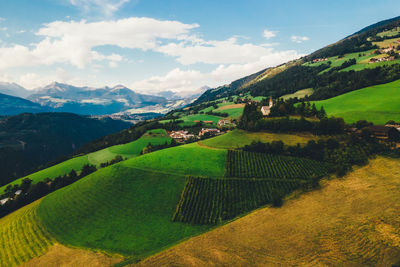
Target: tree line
x,y
30,192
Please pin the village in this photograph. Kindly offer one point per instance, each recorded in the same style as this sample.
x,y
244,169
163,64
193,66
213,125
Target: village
x,y
184,135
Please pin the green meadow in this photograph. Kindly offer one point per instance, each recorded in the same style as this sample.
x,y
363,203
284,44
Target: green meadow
x,y
190,159
378,104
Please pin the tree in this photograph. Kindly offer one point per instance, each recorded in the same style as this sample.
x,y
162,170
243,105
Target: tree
x,y
321,113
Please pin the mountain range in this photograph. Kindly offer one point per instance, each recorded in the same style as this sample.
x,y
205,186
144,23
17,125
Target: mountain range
x,y
60,97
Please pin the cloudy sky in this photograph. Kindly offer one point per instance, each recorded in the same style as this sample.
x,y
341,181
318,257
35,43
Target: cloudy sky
x,y
158,45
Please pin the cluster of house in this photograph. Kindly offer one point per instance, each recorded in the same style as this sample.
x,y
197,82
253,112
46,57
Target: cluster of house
x,y
5,200
374,60
185,135
384,51
266,110
319,60
181,135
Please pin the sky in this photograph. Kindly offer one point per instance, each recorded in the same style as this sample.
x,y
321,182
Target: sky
x,y
168,45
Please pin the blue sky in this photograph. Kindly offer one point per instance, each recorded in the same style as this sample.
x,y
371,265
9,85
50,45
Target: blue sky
x,y
152,46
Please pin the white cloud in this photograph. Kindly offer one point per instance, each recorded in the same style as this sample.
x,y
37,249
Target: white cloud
x,y
214,52
299,39
113,64
269,34
107,7
33,80
2,19
178,80
3,29
73,42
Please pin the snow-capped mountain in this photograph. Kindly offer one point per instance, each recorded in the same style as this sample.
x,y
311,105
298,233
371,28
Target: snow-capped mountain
x,y
100,101
14,89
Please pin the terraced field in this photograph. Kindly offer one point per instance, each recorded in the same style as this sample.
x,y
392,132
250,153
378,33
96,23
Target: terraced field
x,y
211,201
23,236
129,150
359,226
239,138
244,164
378,104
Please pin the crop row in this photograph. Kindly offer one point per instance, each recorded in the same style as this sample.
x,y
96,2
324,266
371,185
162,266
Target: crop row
x,y
210,201
245,164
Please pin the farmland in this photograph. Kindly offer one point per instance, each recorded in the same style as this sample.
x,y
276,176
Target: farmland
x,y
240,138
349,221
256,165
378,104
211,201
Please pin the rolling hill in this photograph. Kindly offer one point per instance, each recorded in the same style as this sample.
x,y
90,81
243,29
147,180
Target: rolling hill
x,y
209,203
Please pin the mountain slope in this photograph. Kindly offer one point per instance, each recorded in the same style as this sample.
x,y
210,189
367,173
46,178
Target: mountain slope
x,y
297,75
13,89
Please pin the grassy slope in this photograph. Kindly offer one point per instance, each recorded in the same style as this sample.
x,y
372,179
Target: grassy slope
x,y
132,149
189,159
359,227
22,236
240,138
378,104
54,171
129,150
121,210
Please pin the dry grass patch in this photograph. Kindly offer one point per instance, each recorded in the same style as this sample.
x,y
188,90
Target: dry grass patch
x,y
230,107
61,256
352,221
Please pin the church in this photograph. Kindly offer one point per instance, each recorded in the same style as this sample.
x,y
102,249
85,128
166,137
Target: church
x,y
266,110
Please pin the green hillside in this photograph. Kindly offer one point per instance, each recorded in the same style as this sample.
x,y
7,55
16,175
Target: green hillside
x,y
118,209
378,104
129,150
189,159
